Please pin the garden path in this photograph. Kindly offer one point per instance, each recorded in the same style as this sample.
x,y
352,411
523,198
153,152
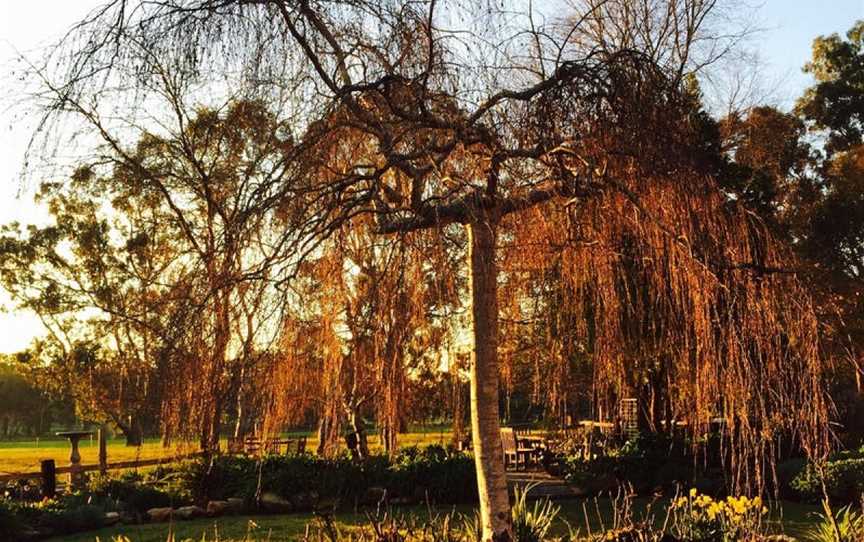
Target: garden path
x,y
541,484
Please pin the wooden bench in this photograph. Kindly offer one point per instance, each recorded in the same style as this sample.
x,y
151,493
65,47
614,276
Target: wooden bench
x,y
252,445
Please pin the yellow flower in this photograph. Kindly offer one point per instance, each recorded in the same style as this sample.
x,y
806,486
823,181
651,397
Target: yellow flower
x,y
692,491
716,509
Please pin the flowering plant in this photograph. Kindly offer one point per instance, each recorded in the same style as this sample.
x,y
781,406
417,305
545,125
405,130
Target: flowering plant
x,y
704,519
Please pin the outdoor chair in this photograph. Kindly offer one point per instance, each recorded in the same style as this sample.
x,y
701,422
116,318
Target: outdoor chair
x,y
235,445
251,445
523,430
514,454
301,445
272,445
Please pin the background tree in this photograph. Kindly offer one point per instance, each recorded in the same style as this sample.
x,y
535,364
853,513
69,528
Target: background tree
x,y
166,240
769,167
28,407
214,182
97,296
832,232
835,104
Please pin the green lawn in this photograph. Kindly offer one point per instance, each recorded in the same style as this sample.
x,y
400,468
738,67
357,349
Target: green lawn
x,y
291,527
273,528
25,455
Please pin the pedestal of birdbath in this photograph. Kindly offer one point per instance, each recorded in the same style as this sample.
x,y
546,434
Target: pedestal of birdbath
x,y
75,469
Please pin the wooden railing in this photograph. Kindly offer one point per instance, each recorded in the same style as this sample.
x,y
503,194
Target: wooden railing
x,y
134,464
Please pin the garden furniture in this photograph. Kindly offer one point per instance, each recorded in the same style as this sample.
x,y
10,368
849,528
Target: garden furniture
x,y
515,453
76,474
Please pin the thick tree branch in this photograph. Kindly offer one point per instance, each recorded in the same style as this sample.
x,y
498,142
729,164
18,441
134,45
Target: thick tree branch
x,y
464,209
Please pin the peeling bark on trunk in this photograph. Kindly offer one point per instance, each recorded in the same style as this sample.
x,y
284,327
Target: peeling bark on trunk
x,y
488,452
358,427
389,436
458,408
320,451
241,425
215,427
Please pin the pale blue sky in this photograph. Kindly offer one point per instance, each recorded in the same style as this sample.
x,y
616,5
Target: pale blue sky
x,y
791,26
26,25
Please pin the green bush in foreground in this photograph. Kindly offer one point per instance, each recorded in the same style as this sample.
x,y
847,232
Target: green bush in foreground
x,y
843,478
694,518
645,463
55,516
11,525
303,482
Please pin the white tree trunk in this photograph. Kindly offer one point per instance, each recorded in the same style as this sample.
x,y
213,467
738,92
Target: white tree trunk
x,y
488,453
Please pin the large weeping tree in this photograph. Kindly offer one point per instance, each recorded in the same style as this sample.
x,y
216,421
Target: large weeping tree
x,y
440,115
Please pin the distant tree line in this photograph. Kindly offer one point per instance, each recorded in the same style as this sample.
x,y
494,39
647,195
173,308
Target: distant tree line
x,y
27,407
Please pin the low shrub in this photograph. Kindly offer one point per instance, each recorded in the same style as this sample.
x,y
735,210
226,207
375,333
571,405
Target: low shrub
x,y
432,473
645,463
11,525
52,516
787,471
218,478
843,478
132,493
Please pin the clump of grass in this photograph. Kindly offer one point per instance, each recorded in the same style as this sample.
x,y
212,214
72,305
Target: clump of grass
x,y
845,525
532,523
250,536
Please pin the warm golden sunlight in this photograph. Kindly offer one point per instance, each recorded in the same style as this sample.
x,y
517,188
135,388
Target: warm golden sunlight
x,y
427,271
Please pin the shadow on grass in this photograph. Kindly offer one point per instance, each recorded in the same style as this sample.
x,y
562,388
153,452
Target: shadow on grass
x,y
797,518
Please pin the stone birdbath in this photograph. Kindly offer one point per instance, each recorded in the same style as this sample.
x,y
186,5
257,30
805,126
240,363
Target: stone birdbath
x,y
75,469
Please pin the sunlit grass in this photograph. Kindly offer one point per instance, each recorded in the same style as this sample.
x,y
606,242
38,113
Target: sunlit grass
x,y
25,455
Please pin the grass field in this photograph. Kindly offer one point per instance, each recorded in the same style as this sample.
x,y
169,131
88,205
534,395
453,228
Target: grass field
x,y
25,455
797,519
22,456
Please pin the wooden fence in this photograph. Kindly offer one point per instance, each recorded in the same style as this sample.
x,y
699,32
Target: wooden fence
x,y
134,464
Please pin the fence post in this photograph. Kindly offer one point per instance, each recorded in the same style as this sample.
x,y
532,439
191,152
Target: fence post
x,y
103,451
49,478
